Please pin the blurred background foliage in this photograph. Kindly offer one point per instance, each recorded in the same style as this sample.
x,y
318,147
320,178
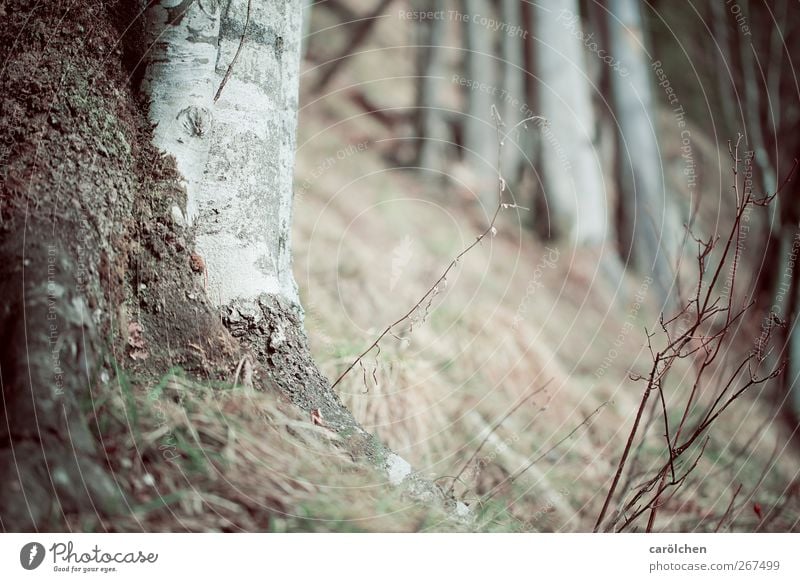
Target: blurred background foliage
x,y
408,120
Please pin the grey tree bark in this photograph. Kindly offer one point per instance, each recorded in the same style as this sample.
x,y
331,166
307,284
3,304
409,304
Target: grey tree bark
x,y
646,229
573,180
480,136
431,125
222,80
513,107
67,194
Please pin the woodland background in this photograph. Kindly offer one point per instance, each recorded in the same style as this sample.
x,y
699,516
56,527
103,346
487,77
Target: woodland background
x,y
614,352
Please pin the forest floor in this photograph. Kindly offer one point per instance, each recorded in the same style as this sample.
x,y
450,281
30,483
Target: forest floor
x,y
519,318
517,314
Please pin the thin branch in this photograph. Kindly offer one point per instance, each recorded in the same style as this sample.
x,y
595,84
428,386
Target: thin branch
x,y
491,432
235,56
519,473
703,344
434,289
727,513
625,452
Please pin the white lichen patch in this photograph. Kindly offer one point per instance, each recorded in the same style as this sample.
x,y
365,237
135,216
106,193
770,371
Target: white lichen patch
x,y
397,468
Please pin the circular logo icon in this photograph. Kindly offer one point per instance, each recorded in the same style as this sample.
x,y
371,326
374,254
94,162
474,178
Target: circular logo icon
x,y
31,555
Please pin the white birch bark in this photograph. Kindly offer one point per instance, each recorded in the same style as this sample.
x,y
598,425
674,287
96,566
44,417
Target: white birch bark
x,y
480,135
234,142
573,180
647,224
512,110
431,124
180,83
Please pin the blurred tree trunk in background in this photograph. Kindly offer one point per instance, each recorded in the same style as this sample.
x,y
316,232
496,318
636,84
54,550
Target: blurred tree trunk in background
x,y
722,70
785,288
573,181
760,58
792,380
360,31
480,134
647,235
759,97
531,137
430,121
512,109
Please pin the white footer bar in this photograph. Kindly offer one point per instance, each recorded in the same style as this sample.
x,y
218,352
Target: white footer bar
x,y
401,557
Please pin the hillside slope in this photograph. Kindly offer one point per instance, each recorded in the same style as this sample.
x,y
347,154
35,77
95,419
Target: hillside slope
x,y
517,314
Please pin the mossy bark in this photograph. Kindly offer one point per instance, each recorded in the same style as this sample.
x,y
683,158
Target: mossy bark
x,y
67,192
87,248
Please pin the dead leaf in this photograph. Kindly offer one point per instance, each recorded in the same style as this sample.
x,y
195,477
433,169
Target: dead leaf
x,y
136,341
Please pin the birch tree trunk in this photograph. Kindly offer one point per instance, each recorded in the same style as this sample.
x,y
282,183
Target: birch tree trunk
x,y
480,135
573,180
513,105
431,125
222,79
645,229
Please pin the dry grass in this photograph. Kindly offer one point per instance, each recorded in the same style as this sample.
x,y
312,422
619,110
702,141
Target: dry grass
x,y
469,362
195,457
370,239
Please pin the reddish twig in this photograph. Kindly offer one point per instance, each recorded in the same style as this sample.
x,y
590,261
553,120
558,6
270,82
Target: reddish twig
x,y
699,342
727,513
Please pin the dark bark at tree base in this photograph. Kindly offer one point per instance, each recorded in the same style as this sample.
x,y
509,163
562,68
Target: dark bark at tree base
x,y
66,193
273,331
49,464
